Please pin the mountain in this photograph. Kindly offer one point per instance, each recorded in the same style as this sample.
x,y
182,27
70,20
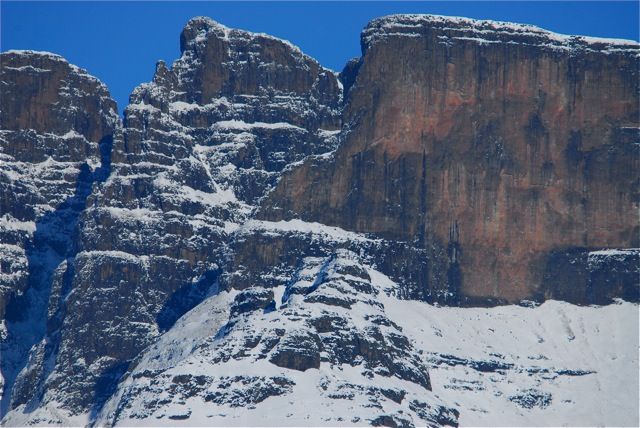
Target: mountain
x,y
261,240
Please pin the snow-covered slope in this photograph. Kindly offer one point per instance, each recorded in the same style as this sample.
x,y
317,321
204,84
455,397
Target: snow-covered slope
x,y
556,364
318,351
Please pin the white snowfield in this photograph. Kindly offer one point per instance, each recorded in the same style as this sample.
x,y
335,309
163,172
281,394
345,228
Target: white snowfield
x,y
584,359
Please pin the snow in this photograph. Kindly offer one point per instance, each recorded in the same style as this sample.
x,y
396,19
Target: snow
x,y
181,107
140,214
419,20
477,40
325,133
555,336
615,252
298,226
48,414
49,55
179,192
229,34
72,133
112,254
576,365
240,125
28,68
192,349
8,222
142,107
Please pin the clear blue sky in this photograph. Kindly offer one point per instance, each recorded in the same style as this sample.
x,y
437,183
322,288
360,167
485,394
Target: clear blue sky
x,y
119,42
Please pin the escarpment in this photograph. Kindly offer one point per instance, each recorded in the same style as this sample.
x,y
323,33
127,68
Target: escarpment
x,y
57,127
501,144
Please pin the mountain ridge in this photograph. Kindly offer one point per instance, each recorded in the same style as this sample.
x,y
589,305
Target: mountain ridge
x,y
216,183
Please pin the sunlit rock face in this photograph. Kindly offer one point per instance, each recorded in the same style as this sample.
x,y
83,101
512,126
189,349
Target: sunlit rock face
x,y
503,144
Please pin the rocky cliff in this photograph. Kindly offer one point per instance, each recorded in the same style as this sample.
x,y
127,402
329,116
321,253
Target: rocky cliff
x,y
503,145
240,237
58,124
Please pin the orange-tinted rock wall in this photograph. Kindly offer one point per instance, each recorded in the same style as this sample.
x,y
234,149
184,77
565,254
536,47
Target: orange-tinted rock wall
x,y
502,149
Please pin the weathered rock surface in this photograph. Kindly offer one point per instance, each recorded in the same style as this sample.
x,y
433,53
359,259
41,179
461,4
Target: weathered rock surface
x,y
497,143
54,121
598,277
311,357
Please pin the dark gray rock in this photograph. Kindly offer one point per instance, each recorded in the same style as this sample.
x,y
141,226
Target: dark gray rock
x,y
251,299
298,350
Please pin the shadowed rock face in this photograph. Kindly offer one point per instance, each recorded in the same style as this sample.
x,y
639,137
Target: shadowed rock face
x,y
500,143
57,125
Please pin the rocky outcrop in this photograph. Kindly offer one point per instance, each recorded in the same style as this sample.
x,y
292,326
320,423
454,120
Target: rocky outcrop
x,y
598,277
307,343
496,143
54,121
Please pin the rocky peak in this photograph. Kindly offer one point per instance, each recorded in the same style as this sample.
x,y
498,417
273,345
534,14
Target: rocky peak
x,y
45,93
217,62
197,30
146,240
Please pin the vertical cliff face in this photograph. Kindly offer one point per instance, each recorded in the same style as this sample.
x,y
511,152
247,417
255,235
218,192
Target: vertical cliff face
x,y
57,126
501,143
